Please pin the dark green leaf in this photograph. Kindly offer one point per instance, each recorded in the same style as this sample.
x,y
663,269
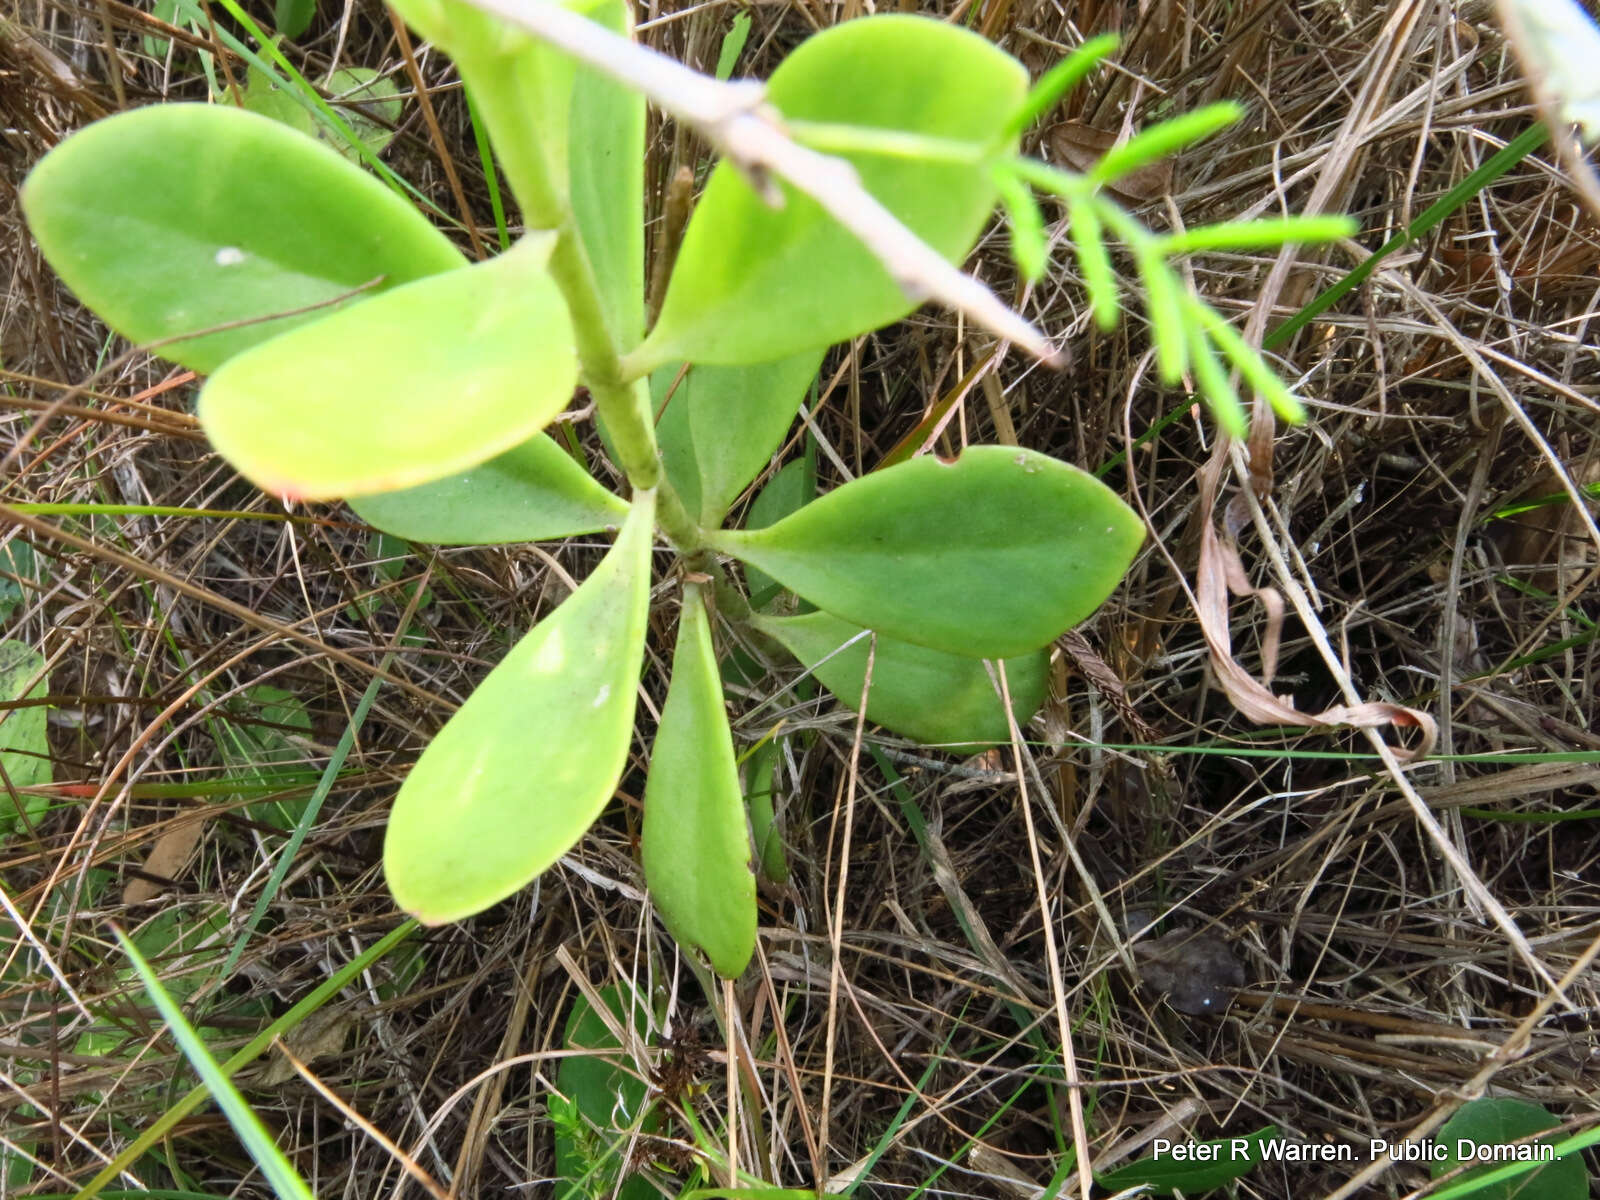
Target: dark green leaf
x,y
1230,1159
990,556
1497,1122
606,1097
939,699
790,490
723,425
293,17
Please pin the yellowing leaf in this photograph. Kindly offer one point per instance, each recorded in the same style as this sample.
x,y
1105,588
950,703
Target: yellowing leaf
x,y
514,779
406,388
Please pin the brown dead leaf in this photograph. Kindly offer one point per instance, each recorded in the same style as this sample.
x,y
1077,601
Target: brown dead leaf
x,y
1219,572
169,856
1079,146
321,1035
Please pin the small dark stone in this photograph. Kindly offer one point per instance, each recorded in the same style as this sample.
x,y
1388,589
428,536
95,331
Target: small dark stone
x,y
1198,972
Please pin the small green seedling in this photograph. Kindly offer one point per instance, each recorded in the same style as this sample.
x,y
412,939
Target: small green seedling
x,y
353,353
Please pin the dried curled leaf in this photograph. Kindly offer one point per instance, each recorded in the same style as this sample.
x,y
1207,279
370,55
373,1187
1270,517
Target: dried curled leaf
x,y
1219,572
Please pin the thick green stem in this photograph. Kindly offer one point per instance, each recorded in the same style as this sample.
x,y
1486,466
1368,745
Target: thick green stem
x,y
623,405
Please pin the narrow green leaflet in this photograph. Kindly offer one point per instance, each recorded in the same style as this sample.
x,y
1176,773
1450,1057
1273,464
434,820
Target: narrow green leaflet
x,y
696,840
755,283
408,387
938,699
179,218
723,424
1231,1159
990,556
531,493
607,182
525,766
24,746
1500,1121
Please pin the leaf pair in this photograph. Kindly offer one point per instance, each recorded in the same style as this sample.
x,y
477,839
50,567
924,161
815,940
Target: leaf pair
x,y
350,351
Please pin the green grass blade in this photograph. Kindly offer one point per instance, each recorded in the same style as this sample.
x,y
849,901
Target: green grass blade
x,y
248,1053
1510,155
279,1171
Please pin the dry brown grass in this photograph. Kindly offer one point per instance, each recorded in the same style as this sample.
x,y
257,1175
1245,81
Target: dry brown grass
x,y
1462,378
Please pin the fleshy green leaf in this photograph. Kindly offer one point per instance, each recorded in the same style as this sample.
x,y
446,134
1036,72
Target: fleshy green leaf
x,y
525,766
531,493
1165,1175
754,283
24,745
992,555
178,218
608,183
423,381
1499,1121
938,699
723,424
696,840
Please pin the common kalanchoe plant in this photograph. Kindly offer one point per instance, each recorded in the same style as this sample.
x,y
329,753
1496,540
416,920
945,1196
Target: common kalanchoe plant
x,y
353,353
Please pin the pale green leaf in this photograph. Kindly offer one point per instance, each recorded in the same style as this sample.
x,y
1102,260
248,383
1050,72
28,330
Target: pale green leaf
x,y
607,181
992,555
938,699
531,493
755,283
24,744
409,387
178,218
723,424
525,766
695,844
